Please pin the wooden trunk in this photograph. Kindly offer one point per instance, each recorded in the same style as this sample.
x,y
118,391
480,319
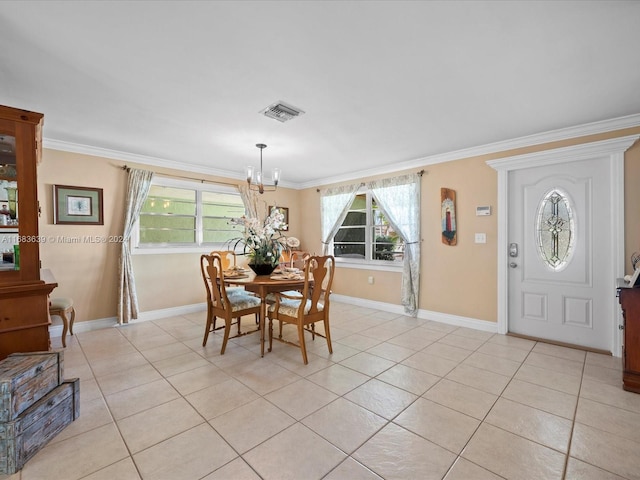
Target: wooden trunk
x,y
22,438
25,378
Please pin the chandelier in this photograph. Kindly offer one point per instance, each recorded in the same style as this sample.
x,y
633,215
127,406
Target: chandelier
x,y
255,178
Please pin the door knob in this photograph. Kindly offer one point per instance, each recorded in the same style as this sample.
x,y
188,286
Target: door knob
x,y
513,264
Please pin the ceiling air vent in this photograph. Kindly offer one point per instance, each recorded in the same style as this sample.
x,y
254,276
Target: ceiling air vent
x,y
281,111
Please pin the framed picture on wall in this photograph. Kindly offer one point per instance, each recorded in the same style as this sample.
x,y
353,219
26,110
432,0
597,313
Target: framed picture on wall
x,y
77,205
285,212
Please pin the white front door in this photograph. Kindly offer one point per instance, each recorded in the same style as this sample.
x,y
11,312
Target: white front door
x,y
552,293
560,253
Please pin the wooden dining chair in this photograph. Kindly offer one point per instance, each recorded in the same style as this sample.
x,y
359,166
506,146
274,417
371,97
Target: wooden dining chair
x,y
229,261
312,307
221,304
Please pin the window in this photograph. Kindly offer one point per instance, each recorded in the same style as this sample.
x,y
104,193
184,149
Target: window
x,y
188,215
555,227
365,234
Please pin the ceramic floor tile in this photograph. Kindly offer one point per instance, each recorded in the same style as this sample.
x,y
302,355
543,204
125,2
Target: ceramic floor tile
x,y
409,379
395,453
197,379
547,378
449,352
504,351
577,470
359,342
344,424
610,419
264,377
122,470
438,424
612,395
494,364
511,341
560,352
221,398
157,424
606,361
273,459
542,398
609,452
432,364
77,456
185,411
191,454
465,470
301,398
133,377
181,363
134,400
462,342
603,375
519,458
477,378
570,367
392,352
381,398
251,424
235,470
351,470
368,364
533,424
338,379
462,398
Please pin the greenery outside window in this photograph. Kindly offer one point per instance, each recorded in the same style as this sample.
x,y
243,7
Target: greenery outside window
x,y
184,215
366,236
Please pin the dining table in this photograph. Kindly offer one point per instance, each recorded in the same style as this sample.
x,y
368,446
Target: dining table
x,y
263,285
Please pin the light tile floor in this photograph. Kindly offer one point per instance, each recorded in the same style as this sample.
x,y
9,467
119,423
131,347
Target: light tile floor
x,y
400,398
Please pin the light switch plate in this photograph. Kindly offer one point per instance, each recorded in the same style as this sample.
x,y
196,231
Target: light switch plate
x,y
481,238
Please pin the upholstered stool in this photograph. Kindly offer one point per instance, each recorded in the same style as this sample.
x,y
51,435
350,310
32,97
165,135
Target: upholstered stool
x,y
63,307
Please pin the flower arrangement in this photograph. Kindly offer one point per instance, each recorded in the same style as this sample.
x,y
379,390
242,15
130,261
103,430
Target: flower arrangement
x,y
263,241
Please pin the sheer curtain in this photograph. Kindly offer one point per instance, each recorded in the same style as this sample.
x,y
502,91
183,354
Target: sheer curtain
x,y
137,191
334,205
399,200
250,201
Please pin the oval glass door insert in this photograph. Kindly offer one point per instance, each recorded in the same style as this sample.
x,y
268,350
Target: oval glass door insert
x,y
555,229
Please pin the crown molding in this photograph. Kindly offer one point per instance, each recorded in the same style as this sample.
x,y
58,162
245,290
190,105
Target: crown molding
x,y
143,159
620,123
629,121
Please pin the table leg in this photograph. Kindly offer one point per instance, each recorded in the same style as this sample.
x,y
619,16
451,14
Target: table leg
x,y
263,316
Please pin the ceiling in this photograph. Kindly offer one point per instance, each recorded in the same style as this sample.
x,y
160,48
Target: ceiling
x,y
382,83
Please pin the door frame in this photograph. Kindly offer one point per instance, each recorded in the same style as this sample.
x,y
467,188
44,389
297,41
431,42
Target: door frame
x,y
613,150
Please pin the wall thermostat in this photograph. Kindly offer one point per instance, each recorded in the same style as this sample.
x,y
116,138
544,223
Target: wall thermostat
x,y
482,211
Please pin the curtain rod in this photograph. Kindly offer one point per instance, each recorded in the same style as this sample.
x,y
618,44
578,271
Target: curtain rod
x,y
201,180
362,184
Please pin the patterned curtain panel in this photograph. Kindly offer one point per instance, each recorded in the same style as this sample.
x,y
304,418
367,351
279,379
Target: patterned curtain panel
x,y
334,206
399,200
137,191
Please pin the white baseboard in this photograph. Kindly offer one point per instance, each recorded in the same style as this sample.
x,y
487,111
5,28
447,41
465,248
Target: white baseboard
x,y
87,326
449,319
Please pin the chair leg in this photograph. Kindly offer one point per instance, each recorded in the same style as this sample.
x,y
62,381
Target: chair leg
x,y
270,334
238,322
65,327
227,330
327,334
303,347
211,320
73,319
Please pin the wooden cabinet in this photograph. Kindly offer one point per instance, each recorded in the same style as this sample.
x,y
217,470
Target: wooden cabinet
x,y
630,303
24,306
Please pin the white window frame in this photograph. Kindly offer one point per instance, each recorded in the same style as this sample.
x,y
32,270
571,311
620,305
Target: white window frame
x,y
366,264
198,247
